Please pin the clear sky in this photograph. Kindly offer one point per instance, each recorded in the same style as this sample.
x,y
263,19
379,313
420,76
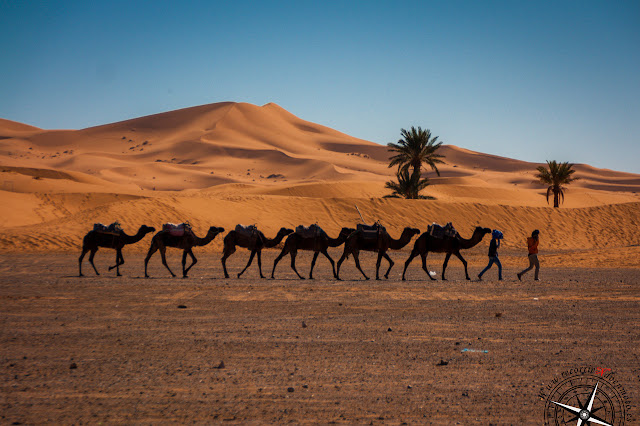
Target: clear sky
x,y
531,80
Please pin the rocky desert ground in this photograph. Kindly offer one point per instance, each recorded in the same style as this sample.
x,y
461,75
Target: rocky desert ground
x,y
207,349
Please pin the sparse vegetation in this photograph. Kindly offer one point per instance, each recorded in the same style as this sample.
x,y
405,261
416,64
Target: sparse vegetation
x,y
556,176
416,148
408,186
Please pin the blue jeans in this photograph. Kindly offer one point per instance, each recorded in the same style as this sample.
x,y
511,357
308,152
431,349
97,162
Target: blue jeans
x,y
493,260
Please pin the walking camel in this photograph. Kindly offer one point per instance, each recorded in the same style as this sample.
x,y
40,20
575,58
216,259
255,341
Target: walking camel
x,y
318,244
450,245
253,240
186,242
113,240
381,243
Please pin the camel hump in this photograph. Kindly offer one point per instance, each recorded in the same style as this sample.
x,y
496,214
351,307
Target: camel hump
x,y
176,229
310,231
247,231
438,231
113,228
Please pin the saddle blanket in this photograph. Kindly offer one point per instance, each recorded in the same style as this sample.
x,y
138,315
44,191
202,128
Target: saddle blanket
x,y
176,229
438,231
311,231
247,231
112,228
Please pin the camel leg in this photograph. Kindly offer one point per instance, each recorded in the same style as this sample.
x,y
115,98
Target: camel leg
x,y
119,261
280,256
253,253
413,254
378,262
424,266
260,263
356,257
333,264
225,255
444,265
152,250
464,262
342,258
293,254
386,256
91,256
184,259
84,251
313,263
163,254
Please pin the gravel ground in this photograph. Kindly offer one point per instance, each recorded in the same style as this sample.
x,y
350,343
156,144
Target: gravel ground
x,y
206,349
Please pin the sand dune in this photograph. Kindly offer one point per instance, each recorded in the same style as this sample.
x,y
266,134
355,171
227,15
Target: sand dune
x,y
229,163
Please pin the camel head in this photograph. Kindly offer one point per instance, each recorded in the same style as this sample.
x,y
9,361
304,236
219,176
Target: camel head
x,y
285,231
411,231
481,231
146,229
347,231
215,230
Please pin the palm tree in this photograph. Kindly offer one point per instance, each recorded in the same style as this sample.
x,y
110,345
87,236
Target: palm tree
x,y
415,148
407,186
556,176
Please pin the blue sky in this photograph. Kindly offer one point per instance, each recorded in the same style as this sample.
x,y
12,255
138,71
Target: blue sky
x,y
529,80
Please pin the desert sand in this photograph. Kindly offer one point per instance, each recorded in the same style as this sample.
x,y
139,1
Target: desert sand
x,y
140,359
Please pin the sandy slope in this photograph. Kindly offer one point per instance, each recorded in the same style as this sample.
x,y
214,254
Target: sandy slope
x,y
229,163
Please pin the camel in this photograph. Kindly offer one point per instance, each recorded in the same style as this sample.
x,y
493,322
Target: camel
x,y
450,245
254,242
384,242
317,244
113,240
187,241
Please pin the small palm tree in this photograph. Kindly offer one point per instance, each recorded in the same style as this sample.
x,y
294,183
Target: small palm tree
x,y
556,176
415,148
407,186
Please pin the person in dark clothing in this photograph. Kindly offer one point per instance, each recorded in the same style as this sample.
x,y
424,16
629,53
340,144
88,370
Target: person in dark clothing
x,y
493,254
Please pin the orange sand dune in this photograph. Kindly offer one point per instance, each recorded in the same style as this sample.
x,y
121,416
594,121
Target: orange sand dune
x,y
229,163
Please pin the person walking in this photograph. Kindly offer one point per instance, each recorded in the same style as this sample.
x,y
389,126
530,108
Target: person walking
x,y
532,243
493,254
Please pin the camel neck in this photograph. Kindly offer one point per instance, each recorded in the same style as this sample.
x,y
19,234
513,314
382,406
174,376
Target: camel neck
x,y
204,241
400,242
268,243
471,242
131,239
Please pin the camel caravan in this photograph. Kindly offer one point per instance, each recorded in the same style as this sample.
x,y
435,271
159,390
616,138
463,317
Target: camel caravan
x,y
374,238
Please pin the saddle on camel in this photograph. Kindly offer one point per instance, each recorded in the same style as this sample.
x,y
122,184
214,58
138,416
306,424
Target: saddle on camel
x,y
313,231
371,233
177,229
438,231
113,228
247,231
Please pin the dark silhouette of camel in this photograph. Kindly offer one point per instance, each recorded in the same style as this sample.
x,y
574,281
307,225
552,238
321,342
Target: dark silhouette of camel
x,y
254,242
113,240
186,242
450,245
317,244
381,244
